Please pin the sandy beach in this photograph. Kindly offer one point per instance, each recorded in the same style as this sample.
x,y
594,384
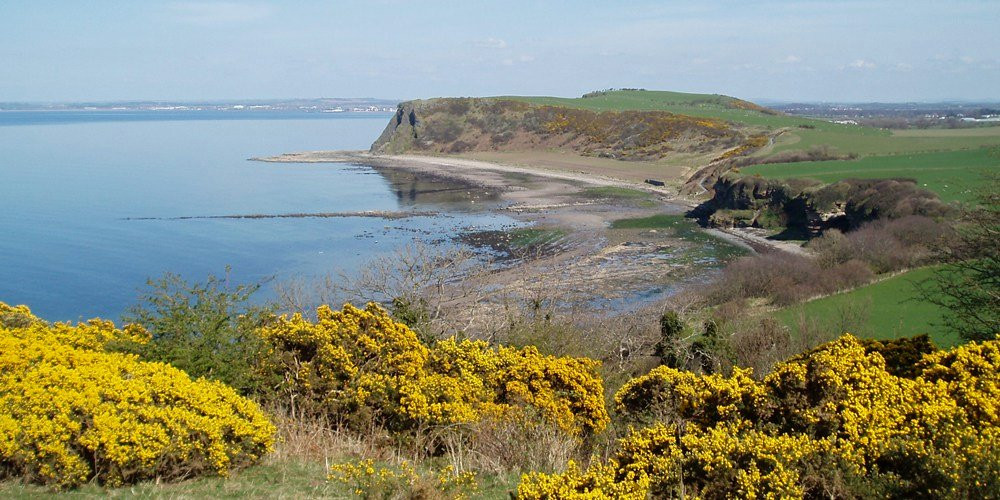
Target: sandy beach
x,y
593,258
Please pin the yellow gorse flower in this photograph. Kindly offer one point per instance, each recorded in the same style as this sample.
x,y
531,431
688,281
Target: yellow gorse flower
x,y
360,362
736,437
71,412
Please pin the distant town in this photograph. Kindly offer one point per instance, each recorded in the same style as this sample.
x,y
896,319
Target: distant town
x,y
322,105
900,115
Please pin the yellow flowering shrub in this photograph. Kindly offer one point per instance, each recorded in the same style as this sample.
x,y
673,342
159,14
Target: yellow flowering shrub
x,y
726,461
16,316
667,394
360,364
368,479
824,422
71,412
971,373
843,394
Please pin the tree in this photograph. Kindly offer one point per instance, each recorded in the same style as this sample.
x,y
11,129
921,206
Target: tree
x,y
669,347
206,329
713,351
968,286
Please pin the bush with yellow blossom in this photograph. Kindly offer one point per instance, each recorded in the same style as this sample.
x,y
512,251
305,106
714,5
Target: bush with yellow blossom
x,y
362,367
72,412
833,422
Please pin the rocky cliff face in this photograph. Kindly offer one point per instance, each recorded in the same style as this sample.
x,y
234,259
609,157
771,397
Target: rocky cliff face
x,y
812,206
400,133
456,125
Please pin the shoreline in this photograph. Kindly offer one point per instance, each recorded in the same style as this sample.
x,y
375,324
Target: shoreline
x,y
591,262
578,255
491,175
466,169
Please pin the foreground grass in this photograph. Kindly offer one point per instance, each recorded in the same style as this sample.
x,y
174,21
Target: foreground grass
x,y
276,479
270,480
888,309
953,175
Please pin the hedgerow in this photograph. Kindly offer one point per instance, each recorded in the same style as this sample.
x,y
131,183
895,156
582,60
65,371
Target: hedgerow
x,y
72,412
832,423
359,366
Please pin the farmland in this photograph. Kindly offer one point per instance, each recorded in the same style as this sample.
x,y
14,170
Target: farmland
x,y
953,175
887,309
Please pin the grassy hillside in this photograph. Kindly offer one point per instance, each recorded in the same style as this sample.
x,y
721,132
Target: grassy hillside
x,y
463,125
798,133
690,131
701,105
953,175
888,309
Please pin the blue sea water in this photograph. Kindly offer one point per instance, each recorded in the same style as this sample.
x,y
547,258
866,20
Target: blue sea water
x,y
69,182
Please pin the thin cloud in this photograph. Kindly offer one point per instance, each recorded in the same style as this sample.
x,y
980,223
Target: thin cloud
x,y
862,64
217,13
490,43
790,59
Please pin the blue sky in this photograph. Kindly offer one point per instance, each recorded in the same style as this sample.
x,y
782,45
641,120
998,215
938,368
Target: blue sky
x,y
807,50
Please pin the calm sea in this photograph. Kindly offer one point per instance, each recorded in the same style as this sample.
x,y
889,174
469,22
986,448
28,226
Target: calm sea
x,y
70,180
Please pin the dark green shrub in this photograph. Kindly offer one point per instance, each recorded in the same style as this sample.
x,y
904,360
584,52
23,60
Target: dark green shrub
x,y
206,329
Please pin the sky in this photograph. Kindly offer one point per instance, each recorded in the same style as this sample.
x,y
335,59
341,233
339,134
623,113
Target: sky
x,y
889,51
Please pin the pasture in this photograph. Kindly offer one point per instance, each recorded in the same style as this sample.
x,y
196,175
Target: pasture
x,y
953,175
887,309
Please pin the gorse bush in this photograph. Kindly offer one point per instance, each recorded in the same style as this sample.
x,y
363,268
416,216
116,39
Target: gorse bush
x,y
361,367
833,423
72,412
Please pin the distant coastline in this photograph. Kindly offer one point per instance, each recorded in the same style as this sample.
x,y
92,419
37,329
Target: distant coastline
x,y
321,105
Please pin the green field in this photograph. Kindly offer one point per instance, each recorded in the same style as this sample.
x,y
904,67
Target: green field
x,y
706,105
870,141
892,308
953,175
